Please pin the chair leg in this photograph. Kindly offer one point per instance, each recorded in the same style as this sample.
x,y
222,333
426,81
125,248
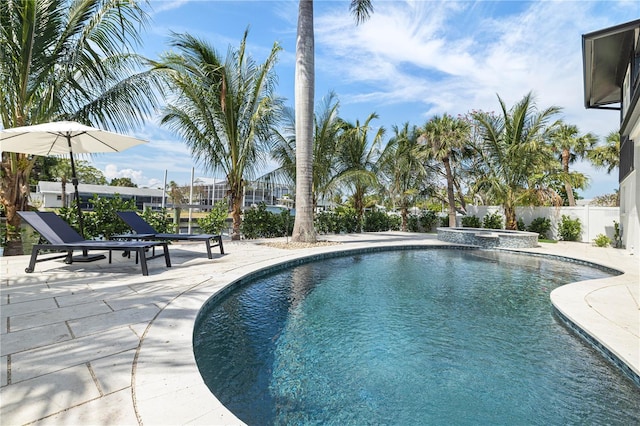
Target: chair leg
x,y
32,262
167,259
143,261
207,243
220,244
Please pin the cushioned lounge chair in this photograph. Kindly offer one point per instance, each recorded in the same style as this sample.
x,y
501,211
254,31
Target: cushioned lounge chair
x,y
143,231
62,237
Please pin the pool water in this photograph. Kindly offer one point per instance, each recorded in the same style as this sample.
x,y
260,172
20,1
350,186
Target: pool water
x,y
409,337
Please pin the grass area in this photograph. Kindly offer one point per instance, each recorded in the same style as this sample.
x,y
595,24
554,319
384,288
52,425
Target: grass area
x,y
542,240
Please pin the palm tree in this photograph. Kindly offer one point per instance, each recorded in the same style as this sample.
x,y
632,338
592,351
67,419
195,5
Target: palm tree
x,y
176,193
224,109
303,229
327,126
566,140
517,161
401,163
356,160
63,59
326,136
445,136
63,172
608,155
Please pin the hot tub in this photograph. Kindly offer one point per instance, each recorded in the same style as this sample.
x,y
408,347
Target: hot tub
x,y
489,238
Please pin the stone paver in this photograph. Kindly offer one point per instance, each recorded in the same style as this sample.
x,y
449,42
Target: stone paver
x,y
33,338
46,395
101,344
112,409
121,318
49,316
22,308
43,360
113,373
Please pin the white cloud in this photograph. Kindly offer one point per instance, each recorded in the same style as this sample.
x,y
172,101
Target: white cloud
x,y
154,183
111,172
456,56
159,6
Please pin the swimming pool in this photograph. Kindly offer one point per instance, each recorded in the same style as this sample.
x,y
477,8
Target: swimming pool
x,y
408,337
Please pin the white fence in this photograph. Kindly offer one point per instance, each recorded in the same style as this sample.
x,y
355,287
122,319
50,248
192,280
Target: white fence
x,y
594,220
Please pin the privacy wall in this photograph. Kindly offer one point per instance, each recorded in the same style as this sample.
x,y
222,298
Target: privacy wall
x,y
594,220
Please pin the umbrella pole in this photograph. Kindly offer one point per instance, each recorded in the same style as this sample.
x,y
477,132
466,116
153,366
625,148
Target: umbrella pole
x,y
74,180
86,257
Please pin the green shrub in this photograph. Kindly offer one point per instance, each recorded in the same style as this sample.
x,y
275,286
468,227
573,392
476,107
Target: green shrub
x,y
347,220
286,222
260,223
520,224
325,222
602,240
378,221
3,233
213,223
471,221
105,220
70,215
617,237
102,220
158,220
570,229
375,221
395,223
413,223
541,225
428,219
492,221
444,221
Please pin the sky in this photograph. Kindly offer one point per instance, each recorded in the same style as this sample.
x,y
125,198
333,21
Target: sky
x,y
410,61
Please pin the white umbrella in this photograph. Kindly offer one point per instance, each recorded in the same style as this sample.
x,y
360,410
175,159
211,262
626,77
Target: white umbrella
x,y
64,137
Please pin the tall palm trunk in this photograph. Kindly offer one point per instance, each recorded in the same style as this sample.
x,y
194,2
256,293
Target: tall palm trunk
x,y
14,193
567,185
236,188
404,214
450,196
463,204
510,213
358,204
236,215
303,229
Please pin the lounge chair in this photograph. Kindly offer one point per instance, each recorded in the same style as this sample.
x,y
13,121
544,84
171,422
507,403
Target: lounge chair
x,y
62,237
143,231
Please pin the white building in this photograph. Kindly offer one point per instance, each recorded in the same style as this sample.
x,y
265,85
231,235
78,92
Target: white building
x,y
49,194
611,59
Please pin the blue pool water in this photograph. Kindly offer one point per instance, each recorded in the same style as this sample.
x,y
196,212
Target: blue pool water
x,y
409,337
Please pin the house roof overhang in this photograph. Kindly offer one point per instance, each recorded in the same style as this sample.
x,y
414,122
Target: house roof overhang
x,y
605,58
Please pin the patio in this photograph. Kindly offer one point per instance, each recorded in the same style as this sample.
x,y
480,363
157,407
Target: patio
x,y
101,344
